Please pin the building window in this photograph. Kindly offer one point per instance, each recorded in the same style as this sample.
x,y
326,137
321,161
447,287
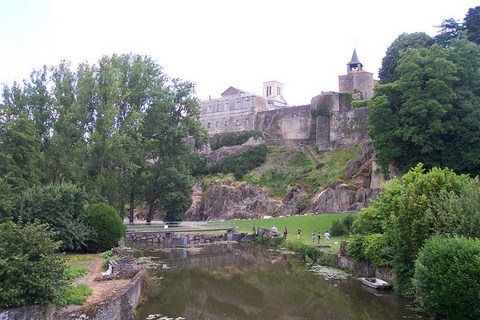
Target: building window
x,y
269,91
217,124
208,125
247,103
278,91
238,104
218,108
209,108
226,123
227,106
245,122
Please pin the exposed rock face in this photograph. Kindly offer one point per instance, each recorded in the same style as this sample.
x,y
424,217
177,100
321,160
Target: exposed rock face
x,y
291,201
342,198
364,185
230,200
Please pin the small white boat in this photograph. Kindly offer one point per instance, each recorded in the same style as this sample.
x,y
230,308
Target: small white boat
x,y
375,283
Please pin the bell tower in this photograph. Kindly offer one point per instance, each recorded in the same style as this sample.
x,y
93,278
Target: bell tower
x,y
357,81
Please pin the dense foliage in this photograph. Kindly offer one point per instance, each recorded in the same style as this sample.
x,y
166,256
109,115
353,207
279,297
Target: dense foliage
x,y
240,164
399,45
31,271
447,278
107,225
427,105
110,128
61,207
431,112
393,229
232,139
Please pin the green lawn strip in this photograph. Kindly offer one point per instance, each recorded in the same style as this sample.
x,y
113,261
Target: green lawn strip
x,y
76,266
308,224
73,294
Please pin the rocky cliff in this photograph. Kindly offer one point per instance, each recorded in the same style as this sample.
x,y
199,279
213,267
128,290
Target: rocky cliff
x,y
226,199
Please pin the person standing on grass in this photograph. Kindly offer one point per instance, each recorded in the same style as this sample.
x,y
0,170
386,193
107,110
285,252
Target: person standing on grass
x,y
314,235
319,236
299,232
327,236
285,232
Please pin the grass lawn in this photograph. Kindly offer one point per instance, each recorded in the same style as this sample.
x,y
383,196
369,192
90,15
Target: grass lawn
x,y
308,224
76,267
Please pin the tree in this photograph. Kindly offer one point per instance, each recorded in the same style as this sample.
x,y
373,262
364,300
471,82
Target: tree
x,y
450,29
31,271
446,280
394,51
409,212
472,24
61,207
430,113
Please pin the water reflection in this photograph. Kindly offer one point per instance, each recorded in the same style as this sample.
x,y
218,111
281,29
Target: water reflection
x,y
249,282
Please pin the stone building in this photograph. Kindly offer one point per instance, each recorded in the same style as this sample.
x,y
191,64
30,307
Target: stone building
x,y
357,81
273,91
234,111
281,124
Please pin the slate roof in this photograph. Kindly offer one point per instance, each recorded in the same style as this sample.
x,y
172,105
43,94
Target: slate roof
x,y
232,91
355,59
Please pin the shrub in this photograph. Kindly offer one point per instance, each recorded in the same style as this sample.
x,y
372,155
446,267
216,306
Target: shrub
x,y
61,206
240,164
447,277
312,254
337,228
348,222
355,247
229,139
107,225
356,104
31,271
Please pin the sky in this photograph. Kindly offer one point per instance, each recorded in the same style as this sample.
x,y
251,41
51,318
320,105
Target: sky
x,y
304,44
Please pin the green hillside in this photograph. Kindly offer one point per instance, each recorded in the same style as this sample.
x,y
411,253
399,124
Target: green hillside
x,y
286,167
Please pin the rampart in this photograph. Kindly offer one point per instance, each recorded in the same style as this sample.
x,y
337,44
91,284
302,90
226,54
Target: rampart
x,y
329,122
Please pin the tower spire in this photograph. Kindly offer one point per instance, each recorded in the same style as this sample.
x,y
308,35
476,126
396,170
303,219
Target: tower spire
x,y
354,64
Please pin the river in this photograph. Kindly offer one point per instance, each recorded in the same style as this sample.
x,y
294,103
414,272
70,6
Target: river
x,y
233,281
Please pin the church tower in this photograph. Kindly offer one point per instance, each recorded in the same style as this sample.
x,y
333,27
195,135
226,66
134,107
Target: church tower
x,y
273,92
357,81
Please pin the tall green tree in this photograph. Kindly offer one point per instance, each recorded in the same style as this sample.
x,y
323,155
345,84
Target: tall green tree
x,y
404,41
472,24
430,113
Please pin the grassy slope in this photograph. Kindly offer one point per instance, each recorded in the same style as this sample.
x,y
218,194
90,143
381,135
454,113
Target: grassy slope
x,y
285,168
308,224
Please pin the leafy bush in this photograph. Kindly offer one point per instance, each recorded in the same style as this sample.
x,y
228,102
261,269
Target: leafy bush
x,y
61,206
407,213
107,226
355,247
337,228
359,104
240,164
232,139
31,271
447,277
312,254
348,222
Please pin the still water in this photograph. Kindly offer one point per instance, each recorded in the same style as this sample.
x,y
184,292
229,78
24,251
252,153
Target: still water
x,y
233,281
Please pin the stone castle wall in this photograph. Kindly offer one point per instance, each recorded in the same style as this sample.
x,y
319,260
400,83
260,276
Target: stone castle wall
x,y
343,126
286,124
